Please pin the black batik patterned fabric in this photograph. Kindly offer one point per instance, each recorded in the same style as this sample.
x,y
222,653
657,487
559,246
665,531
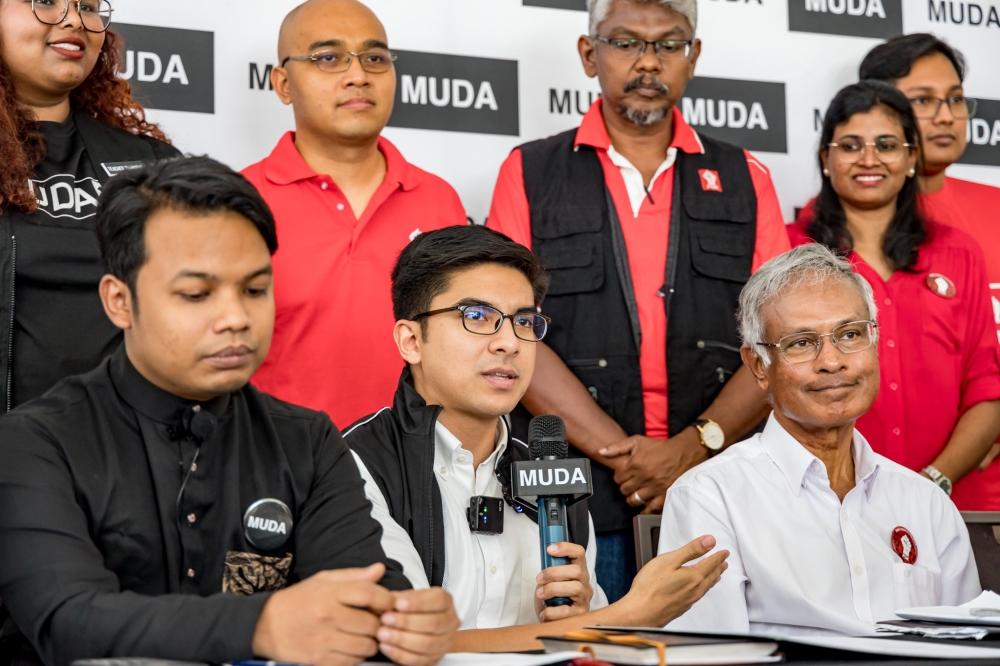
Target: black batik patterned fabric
x,y
249,573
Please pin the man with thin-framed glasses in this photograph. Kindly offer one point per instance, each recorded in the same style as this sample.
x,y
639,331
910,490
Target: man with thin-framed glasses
x,y
931,73
468,327
825,534
648,229
346,202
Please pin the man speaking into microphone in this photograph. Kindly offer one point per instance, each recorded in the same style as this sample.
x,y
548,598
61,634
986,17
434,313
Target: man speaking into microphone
x,y
438,463
159,506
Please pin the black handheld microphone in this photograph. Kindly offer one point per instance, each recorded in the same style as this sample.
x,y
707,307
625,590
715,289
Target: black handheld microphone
x,y
547,441
548,483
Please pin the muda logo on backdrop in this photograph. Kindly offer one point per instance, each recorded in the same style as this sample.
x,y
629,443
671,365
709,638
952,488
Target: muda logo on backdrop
x,y
749,114
169,68
962,13
437,91
857,18
983,134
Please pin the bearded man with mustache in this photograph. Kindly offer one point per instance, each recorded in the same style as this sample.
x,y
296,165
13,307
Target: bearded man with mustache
x,y
649,231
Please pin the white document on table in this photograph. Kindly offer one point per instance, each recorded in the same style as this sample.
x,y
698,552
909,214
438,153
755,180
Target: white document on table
x,y
898,648
958,614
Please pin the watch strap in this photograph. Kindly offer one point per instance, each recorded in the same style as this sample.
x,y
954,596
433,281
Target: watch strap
x,y
938,477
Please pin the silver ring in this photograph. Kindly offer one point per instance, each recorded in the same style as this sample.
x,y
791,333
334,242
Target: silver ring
x,y
636,497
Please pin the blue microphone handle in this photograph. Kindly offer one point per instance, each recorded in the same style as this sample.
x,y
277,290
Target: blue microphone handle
x,y
552,528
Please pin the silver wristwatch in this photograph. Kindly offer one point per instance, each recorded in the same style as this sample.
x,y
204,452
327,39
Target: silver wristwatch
x,y
937,477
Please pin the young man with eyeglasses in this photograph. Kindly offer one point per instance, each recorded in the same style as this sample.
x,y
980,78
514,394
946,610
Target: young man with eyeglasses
x,y
346,202
467,326
636,216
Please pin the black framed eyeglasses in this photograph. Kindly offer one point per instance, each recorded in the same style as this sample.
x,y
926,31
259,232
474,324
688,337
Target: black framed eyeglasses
x,y
486,320
925,106
373,61
633,49
95,15
850,338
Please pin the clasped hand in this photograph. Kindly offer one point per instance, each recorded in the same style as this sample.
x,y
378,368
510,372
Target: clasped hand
x,y
342,617
647,466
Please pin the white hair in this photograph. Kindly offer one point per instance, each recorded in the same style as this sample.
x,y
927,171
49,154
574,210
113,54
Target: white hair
x,y
599,10
810,264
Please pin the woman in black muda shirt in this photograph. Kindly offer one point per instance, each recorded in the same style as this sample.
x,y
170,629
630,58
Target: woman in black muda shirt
x,y
67,125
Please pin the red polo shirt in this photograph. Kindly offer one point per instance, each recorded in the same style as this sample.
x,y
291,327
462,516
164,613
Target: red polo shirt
x,y
975,209
645,237
333,348
938,356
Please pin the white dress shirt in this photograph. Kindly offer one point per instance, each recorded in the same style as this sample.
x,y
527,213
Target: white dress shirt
x,y
802,562
490,577
634,184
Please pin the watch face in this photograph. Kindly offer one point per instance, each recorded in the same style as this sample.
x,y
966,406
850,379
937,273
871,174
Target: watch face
x,y
712,435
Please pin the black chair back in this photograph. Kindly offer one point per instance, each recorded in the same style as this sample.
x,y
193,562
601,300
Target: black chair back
x,y
984,533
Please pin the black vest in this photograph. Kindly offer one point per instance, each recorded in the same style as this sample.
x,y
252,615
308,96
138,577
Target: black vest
x,y
397,447
575,231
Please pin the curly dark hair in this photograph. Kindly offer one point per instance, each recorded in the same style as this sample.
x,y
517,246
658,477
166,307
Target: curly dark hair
x,y
102,96
908,229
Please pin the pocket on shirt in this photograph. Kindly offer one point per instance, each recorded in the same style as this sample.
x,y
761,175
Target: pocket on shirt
x,y
915,586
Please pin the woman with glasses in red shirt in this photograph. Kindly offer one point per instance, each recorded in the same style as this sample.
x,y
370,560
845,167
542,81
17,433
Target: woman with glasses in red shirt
x,y
938,407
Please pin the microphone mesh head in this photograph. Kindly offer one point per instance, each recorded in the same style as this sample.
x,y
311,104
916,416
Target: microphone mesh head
x,y
547,437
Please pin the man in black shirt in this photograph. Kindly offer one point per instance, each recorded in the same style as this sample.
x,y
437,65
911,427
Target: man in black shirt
x,y
159,506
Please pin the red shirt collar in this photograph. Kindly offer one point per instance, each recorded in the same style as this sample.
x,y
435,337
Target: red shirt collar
x,y
285,165
592,132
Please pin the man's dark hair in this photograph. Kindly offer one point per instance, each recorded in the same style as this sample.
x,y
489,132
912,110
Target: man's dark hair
x,y
197,185
894,59
425,266
908,229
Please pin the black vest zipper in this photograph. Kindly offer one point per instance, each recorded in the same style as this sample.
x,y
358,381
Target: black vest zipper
x,y
10,331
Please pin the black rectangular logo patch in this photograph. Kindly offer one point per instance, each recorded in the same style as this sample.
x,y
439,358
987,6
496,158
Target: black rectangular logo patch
x,y
169,68
749,114
437,91
983,134
580,5
857,18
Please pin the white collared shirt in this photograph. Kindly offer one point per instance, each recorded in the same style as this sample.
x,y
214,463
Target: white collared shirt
x,y
490,577
634,184
802,562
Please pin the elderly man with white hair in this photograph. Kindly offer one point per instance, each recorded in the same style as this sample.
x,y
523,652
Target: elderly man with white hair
x,y
825,535
636,214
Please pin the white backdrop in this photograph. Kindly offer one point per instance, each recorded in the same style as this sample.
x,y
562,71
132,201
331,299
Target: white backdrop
x,y
742,40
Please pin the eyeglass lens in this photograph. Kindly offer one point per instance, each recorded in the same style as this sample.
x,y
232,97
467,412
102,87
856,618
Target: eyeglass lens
x,y
929,107
95,15
484,320
375,61
849,338
635,48
887,149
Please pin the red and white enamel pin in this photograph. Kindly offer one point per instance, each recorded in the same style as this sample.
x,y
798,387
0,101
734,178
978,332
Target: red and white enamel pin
x,y
941,285
904,545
